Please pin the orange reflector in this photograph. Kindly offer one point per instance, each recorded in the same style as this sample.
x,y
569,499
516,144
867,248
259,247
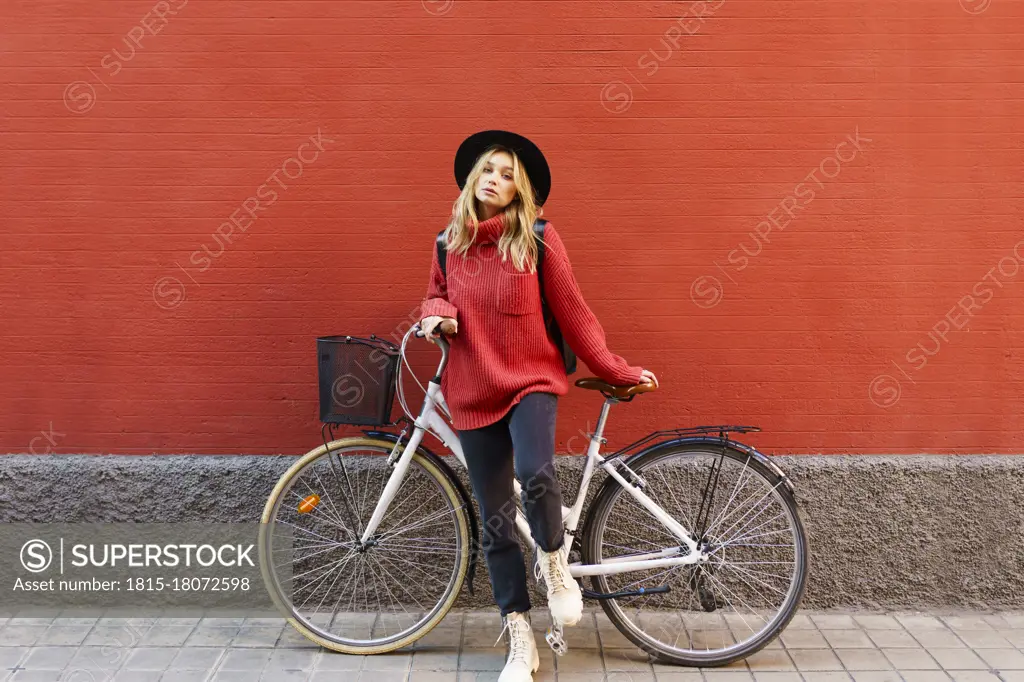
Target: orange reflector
x,y
308,504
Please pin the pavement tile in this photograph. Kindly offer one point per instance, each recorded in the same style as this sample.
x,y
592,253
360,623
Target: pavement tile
x,y
579,661
239,660
135,676
476,676
444,637
925,676
910,659
967,622
973,676
257,636
441,661
770,660
1003,659
424,676
150,658
801,622
49,657
695,676
938,639
815,660
877,622
333,661
212,636
848,639
718,675
290,659
235,676
892,639
915,622
482,660
876,676
827,676
1012,675
42,676
803,639
863,659
195,658
834,622
158,635
11,655
768,676
626,660
20,635
958,659
983,639
287,676
394,661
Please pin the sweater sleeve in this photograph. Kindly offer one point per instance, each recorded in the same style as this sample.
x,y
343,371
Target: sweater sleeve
x,y
578,324
436,301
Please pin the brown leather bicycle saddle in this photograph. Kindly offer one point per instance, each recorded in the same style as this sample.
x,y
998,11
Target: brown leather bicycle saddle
x,y
629,391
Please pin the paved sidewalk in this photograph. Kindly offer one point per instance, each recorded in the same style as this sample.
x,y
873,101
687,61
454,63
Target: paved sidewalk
x,y
816,647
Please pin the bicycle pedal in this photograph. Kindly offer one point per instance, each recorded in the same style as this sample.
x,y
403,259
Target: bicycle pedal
x,y
556,640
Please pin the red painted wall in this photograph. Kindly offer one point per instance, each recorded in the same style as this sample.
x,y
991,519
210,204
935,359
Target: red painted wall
x,y
726,230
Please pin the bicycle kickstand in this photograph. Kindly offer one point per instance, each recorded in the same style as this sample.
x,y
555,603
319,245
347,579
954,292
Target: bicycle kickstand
x,y
556,640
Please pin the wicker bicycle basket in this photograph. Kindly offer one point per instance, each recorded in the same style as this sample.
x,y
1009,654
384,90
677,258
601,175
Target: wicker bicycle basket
x,y
357,379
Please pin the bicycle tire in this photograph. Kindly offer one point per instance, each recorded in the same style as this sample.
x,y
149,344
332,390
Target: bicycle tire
x,y
444,604
594,529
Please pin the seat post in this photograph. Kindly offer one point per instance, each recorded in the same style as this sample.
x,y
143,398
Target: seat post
x,y
599,431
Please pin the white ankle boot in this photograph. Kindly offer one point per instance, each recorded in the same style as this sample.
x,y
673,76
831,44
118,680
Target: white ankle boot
x,y
565,600
523,659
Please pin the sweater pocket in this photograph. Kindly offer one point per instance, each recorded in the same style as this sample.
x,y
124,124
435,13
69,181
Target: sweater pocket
x,y
518,293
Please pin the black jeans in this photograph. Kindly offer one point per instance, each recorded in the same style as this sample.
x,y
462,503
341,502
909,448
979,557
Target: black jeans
x,y
528,431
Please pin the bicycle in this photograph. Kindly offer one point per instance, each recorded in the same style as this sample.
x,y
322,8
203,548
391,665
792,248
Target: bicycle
x,y
682,574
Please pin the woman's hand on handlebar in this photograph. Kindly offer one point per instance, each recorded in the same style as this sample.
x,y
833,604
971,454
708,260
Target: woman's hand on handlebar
x,y
435,323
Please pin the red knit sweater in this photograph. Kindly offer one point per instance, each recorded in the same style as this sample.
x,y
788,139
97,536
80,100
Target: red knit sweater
x,y
502,350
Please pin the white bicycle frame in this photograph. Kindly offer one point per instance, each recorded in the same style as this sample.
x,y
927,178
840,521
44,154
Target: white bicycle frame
x,y
431,420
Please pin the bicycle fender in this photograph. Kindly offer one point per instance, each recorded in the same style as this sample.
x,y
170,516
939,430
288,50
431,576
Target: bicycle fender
x,y
718,442
474,527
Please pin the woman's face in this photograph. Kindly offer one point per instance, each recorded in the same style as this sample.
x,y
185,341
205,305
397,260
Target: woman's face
x,y
495,186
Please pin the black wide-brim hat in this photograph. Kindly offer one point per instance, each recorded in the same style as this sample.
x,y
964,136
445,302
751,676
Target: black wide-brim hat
x,y
533,160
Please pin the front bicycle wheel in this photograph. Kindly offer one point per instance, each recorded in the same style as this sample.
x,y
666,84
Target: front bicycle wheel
x,y
745,521
349,597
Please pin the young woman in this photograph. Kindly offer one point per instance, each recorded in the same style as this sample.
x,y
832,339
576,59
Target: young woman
x,y
504,373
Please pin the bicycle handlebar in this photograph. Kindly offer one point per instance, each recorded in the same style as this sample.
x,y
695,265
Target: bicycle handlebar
x,y
442,342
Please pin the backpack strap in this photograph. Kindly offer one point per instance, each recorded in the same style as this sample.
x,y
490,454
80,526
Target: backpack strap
x,y
538,231
442,253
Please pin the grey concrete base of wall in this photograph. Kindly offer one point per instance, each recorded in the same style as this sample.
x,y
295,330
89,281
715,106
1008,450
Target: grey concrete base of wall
x,y
884,532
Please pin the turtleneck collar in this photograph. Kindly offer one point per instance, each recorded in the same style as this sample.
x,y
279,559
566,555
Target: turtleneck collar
x,y
490,230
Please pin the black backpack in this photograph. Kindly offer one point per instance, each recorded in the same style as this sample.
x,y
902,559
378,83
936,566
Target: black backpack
x,y
568,356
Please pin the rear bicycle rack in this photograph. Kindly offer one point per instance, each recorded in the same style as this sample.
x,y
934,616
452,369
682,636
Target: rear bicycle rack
x,y
667,434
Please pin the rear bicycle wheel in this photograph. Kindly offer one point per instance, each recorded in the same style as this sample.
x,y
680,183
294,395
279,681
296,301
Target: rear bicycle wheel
x,y
354,599
749,589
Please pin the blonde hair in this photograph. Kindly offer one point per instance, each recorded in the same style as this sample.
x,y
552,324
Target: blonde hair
x,y
518,241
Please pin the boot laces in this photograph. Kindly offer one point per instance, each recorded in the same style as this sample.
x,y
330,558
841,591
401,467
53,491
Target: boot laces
x,y
518,631
553,565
